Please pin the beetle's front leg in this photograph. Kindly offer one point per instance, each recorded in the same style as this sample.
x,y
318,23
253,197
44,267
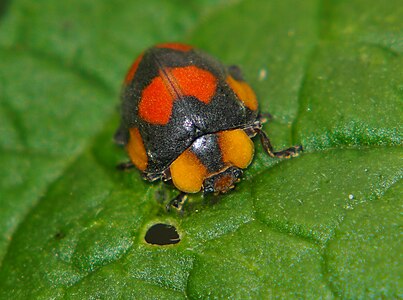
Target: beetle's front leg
x,y
286,153
177,202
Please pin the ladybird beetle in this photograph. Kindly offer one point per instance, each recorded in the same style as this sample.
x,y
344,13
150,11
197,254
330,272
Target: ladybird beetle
x,y
188,119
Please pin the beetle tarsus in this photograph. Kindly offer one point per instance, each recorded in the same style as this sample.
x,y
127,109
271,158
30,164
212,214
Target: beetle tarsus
x,y
286,153
290,152
177,202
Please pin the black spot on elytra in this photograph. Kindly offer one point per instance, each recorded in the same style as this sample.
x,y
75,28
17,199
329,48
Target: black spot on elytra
x,y
162,234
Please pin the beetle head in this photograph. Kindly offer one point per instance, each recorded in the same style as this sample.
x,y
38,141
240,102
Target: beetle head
x,y
222,182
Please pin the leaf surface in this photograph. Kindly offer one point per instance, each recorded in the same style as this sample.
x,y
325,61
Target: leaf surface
x,y
324,225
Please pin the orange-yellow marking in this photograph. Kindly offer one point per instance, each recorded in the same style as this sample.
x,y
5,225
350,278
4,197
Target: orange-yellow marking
x,y
136,150
156,102
244,92
188,173
157,98
236,147
196,82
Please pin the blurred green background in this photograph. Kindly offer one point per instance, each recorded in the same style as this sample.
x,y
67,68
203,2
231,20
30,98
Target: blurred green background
x,y
324,225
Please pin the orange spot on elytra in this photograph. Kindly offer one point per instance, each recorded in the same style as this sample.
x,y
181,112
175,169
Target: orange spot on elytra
x,y
133,69
196,82
136,150
156,102
175,46
244,92
157,98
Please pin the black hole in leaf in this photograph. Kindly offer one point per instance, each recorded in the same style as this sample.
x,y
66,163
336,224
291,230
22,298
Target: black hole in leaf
x,y
162,234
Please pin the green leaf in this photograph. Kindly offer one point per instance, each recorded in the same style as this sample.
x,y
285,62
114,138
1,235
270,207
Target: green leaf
x,y
324,225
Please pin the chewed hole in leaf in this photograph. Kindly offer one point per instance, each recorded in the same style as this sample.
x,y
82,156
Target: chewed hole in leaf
x,y
162,234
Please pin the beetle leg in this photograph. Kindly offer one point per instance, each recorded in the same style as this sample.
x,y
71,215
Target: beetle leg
x,y
286,153
250,131
151,177
125,166
177,202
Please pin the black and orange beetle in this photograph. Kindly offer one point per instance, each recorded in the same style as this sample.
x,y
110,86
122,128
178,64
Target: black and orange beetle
x,y
189,120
